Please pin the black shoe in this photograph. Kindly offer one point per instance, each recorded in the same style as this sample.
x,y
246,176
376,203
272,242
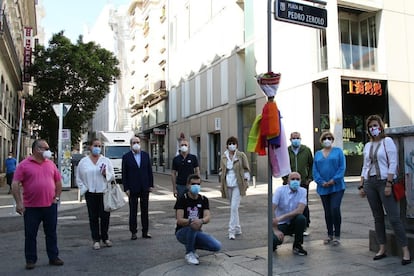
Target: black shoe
x,y
379,257
30,265
405,262
56,261
134,236
146,236
298,250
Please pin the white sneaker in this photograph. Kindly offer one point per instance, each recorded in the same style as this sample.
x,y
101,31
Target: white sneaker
x,y
96,246
196,255
306,233
191,259
108,243
232,237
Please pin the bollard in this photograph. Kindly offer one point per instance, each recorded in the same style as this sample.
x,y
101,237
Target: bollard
x,y
206,175
254,180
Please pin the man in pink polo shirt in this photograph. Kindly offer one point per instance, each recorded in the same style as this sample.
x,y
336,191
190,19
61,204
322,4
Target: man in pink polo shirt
x,y
41,185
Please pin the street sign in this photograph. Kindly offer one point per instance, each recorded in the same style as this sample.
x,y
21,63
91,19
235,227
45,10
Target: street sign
x,y
301,14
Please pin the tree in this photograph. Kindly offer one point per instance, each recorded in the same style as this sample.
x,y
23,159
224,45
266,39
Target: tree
x,y
79,74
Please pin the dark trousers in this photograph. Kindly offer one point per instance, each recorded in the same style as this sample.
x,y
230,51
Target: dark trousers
x,y
33,216
133,211
332,207
9,178
296,227
98,218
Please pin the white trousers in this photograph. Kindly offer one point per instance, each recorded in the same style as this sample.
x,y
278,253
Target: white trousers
x,y
234,197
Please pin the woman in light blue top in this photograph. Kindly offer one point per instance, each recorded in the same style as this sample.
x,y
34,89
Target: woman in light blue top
x,y
328,173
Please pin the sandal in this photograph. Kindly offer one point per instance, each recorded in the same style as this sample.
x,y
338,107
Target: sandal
x,y
327,240
336,242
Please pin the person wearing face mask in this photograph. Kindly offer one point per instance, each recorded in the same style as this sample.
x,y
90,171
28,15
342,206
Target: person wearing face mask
x,y
235,174
301,161
92,176
138,182
379,170
41,182
11,164
288,203
192,212
328,173
183,165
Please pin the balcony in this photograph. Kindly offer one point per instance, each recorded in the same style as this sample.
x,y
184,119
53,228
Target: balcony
x,y
8,51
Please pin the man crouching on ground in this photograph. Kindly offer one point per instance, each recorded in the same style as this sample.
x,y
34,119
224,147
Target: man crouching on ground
x,y
289,201
192,211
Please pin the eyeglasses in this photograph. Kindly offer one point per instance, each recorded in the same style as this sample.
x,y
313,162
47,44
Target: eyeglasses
x,y
328,138
295,179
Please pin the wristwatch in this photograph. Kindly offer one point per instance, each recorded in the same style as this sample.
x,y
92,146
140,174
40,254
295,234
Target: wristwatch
x,y
57,198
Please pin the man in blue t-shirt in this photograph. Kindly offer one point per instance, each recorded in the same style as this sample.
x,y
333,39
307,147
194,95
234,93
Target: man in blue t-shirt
x,y
183,165
11,164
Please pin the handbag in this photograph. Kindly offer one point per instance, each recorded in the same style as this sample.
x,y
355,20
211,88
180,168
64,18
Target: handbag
x,y
398,189
113,197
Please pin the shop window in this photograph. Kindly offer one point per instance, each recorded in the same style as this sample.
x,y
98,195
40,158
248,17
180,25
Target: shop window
x,y
358,40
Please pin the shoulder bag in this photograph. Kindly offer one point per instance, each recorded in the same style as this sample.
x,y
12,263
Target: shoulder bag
x,y
398,188
113,197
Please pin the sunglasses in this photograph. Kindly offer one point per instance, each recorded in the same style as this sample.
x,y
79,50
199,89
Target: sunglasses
x,y
194,183
328,138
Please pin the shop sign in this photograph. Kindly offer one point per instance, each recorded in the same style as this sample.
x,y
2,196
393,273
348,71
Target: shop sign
x,y
365,88
159,131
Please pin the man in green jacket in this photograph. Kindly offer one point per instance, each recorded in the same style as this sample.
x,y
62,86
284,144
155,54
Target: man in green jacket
x,y
301,161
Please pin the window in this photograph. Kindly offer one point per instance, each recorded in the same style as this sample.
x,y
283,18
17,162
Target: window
x,y
358,40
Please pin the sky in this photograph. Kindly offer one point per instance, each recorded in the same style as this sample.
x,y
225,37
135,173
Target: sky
x,y
71,16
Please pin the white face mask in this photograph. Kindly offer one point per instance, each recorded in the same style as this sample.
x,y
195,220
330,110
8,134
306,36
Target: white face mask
x,y
47,154
327,143
136,147
375,131
231,147
184,149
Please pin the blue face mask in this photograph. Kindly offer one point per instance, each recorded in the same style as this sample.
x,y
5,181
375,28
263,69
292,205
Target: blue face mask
x,y
195,189
96,150
295,143
294,184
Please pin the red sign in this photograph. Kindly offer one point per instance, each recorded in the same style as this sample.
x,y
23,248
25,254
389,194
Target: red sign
x,y
27,58
365,88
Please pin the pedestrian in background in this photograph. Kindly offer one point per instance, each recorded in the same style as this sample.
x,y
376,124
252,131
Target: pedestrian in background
x,y
138,182
93,174
235,174
328,173
288,203
11,164
183,165
41,183
192,212
377,177
301,161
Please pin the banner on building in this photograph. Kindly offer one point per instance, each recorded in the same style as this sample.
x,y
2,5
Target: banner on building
x,y
28,48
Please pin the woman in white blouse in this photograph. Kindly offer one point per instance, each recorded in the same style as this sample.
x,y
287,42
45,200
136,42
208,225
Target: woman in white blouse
x,y
377,177
92,176
235,174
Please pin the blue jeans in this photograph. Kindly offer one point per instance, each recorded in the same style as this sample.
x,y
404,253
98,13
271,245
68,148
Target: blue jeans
x,y
332,206
33,216
193,239
181,190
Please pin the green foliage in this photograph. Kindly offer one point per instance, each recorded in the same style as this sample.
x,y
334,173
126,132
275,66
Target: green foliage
x,y
79,74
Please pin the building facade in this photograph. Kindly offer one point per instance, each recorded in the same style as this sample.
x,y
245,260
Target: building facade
x,y
146,73
17,31
332,78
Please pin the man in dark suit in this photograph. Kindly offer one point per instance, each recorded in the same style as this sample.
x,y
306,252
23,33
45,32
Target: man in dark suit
x,y
138,182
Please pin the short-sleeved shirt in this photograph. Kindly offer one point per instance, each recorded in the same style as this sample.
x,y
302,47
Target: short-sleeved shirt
x,y
184,167
38,182
288,200
193,208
